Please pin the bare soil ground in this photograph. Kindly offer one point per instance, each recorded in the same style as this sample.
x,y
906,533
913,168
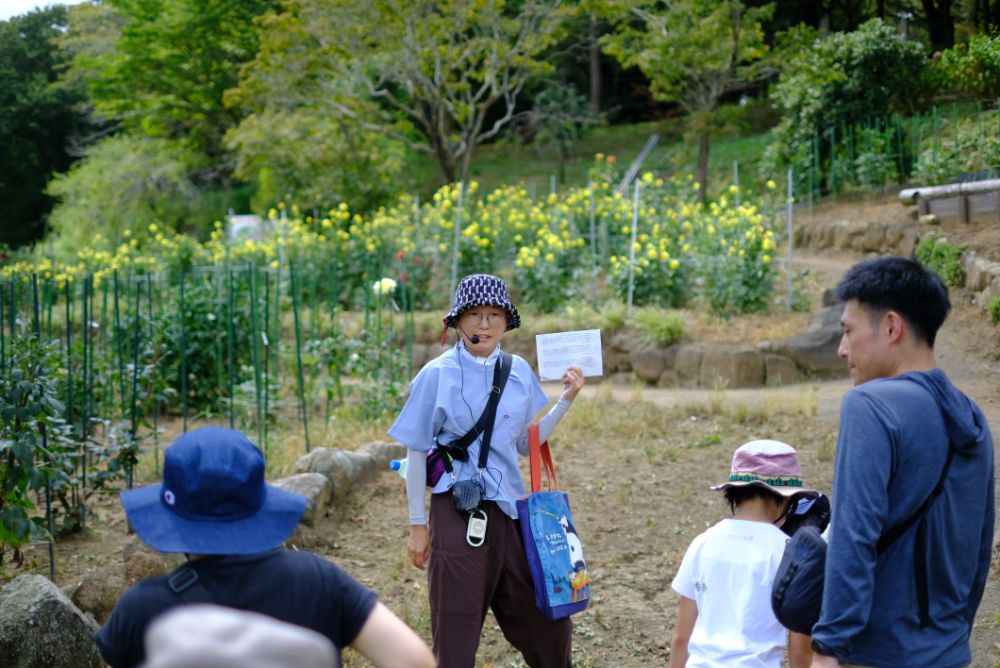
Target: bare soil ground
x,y
637,464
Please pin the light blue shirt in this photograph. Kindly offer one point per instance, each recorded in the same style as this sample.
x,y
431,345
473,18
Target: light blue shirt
x,y
446,399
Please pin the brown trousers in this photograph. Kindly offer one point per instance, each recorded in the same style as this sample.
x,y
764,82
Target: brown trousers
x,y
465,581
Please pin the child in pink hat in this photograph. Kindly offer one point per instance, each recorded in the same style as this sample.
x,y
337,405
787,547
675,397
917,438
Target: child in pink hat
x,y
724,617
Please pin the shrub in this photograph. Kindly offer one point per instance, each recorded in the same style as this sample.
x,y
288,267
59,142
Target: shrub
x,y
993,310
663,328
944,258
973,68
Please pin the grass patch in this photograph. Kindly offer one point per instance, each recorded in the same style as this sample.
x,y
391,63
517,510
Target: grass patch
x,y
661,327
993,311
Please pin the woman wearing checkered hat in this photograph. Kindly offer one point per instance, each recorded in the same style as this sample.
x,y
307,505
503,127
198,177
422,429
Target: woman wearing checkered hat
x,y
476,560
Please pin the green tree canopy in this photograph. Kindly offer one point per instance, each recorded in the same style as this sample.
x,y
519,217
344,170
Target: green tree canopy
x,y
169,68
844,79
693,51
440,77
38,121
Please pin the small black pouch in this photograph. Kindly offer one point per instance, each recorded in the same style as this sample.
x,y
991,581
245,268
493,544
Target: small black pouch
x,y
466,495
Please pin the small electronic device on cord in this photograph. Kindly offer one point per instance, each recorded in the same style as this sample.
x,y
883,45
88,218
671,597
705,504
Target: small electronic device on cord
x,y
475,535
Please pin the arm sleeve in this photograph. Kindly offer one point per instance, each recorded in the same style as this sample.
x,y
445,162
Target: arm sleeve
x,y
985,553
863,468
421,418
120,640
355,603
416,482
546,425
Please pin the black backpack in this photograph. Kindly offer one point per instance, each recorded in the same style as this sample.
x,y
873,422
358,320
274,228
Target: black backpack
x,y
797,591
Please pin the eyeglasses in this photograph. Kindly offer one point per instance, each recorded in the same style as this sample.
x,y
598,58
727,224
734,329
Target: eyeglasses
x,y
490,318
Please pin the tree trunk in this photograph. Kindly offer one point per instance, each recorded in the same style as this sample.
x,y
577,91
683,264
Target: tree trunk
x,y
595,69
940,24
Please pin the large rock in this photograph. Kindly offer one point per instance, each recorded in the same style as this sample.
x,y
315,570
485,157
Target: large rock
x,y
41,628
732,366
780,371
816,350
98,592
315,487
343,468
688,364
384,451
648,362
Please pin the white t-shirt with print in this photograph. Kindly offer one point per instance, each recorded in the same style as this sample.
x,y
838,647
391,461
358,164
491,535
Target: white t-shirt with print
x,y
728,571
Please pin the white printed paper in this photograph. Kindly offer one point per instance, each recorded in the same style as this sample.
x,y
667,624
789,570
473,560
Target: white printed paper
x,y
558,351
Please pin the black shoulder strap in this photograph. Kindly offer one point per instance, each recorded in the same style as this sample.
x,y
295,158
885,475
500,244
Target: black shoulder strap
x,y
921,575
457,449
186,585
893,534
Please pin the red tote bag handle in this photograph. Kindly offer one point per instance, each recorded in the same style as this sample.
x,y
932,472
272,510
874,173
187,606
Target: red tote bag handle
x,y
539,454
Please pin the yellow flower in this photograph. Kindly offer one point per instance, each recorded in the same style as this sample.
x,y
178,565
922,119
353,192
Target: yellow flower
x,y
766,259
674,264
771,185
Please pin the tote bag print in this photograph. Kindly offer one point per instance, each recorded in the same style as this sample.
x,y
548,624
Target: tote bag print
x,y
560,553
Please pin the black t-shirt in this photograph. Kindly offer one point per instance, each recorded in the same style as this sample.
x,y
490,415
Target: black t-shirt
x,y
296,587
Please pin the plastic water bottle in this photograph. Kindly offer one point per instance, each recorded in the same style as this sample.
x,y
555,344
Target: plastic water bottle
x,y
399,466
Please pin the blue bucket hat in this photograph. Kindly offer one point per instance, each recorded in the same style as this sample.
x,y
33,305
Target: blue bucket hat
x,y
213,498
482,290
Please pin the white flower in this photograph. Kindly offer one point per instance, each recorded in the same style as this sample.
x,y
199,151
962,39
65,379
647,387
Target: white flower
x,y
385,286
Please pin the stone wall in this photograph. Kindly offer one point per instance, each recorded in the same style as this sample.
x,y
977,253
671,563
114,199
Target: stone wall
x,y
897,238
629,357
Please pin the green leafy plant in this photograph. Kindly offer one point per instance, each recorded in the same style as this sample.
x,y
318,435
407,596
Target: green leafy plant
x,y
661,327
35,450
943,258
993,311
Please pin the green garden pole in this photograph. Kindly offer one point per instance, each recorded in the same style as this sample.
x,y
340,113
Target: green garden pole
x,y
118,342
230,349
85,367
135,386
43,434
184,392
833,162
69,351
298,352
12,316
3,347
267,356
156,401
255,335
216,278
48,308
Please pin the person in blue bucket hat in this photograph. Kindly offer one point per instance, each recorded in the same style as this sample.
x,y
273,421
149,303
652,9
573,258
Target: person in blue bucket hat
x,y
216,508
471,544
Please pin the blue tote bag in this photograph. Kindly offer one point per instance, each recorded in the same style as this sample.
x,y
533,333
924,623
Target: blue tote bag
x,y
553,547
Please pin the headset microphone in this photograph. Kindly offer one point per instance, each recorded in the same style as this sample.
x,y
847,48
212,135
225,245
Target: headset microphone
x,y
474,339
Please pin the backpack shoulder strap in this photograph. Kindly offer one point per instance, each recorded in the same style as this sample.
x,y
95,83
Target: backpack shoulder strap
x,y
186,585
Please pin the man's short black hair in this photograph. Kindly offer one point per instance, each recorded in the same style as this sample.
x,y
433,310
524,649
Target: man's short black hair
x,y
902,285
738,495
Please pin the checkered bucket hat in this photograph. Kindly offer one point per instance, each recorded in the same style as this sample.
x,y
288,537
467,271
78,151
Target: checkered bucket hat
x,y
482,290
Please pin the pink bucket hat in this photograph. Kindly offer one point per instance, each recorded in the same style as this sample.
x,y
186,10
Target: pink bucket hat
x,y
766,463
